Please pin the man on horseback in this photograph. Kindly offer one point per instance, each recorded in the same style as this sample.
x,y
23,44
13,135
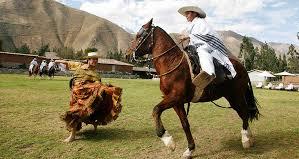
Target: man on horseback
x,y
43,68
51,64
51,68
32,64
208,47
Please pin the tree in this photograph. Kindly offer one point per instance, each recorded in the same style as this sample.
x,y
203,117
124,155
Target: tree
x,y
43,49
266,59
79,55
88,50
117,55
1,45
66,52
24,49
282,63
247,53
293,61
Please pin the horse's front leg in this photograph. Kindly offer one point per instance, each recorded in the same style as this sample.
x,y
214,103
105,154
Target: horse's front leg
x,y
160,130
179,109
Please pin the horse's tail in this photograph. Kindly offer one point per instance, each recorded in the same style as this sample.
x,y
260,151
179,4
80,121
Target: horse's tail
x,y
252,103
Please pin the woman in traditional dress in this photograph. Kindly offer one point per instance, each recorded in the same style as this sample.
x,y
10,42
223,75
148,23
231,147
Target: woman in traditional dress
x,y
92,102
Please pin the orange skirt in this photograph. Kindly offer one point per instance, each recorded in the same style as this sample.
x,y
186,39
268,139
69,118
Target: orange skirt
x,y
96,103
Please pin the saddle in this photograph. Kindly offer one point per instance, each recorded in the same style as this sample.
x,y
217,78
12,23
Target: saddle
x,y
222,73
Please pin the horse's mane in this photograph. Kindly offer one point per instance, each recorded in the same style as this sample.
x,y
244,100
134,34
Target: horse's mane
x,y
168,36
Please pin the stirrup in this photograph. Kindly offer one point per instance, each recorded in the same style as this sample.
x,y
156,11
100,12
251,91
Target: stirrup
x,y
201,81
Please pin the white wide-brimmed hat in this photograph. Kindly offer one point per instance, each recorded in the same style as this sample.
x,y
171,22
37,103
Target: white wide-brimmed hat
x,y
92,55
196,9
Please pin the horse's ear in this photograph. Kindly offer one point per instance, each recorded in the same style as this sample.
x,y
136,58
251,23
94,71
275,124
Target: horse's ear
x,y
148,24
151,21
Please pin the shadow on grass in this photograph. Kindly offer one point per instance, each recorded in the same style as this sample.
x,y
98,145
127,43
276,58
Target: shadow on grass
x,y
113,134
265,142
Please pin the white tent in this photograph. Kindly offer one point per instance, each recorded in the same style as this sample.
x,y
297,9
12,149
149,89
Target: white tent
x,y
266,74
257,76
284,73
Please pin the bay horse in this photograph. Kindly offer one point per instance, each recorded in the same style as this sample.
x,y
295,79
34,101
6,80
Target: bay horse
x,y
34,70
177,87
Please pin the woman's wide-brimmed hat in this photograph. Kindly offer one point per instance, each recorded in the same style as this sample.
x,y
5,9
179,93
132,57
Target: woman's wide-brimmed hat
x,y
92,55
196,9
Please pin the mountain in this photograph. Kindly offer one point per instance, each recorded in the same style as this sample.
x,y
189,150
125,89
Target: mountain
x,y
37,22
233,41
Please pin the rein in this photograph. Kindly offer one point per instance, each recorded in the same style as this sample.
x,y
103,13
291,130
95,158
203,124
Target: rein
x,y
173,68
151,33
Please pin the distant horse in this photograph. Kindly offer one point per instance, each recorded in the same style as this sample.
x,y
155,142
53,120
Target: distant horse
x,y
177,87
43,71
33,70
52,70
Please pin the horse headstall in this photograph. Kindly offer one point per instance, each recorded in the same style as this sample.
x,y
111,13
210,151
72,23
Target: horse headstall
x,y
144,35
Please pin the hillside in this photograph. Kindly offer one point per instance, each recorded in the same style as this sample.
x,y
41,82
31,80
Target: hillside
x,y
37,22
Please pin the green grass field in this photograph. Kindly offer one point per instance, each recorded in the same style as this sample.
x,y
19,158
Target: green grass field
x,y
30,126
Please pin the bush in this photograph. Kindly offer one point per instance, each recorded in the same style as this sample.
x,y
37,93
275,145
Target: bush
x,y
24,49
88,50
23,66
43,49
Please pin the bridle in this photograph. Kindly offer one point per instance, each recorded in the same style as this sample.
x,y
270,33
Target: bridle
x,y
144,36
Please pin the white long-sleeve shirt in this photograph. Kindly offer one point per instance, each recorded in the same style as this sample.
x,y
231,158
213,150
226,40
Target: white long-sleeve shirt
x,y
206,40
42,65
51,64
32,63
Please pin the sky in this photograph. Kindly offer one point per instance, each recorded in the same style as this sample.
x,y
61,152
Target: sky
x,y
265,20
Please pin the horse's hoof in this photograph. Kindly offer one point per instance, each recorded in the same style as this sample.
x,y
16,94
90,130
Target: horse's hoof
x,y
172,146
168,141
247,140
69,139
187,154
246,144
251,141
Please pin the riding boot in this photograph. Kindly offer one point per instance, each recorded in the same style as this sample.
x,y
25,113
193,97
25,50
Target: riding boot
x,y
201,81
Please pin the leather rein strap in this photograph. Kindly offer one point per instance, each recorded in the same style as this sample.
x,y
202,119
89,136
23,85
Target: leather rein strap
x,y
156,57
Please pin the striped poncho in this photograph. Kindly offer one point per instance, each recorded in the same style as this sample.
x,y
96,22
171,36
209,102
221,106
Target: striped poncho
x,y
207,40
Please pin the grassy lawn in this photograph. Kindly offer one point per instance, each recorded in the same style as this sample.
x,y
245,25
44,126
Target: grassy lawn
x,y
30,126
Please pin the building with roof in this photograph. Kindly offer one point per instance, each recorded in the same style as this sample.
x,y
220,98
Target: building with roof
x,y
112,65
16,60
144,72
